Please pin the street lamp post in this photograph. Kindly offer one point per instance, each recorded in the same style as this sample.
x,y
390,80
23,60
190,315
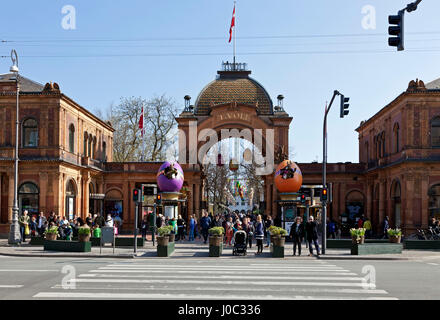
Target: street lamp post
x,y
14,232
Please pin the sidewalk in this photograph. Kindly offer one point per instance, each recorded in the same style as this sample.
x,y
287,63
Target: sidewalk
x,y
186,249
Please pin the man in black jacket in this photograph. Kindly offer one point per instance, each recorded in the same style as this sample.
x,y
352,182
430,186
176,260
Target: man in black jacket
x,y
297,234
312,235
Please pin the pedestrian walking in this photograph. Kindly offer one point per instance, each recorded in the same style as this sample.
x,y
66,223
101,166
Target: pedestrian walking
x,y
385,227
297,234
23,221
41,220
312,235
267,225
192,226
367,226
248,227
205,223
259,235
331,228
229,231
180,228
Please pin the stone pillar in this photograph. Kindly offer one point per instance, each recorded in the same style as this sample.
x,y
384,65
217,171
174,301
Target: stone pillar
x,y
369,204
381,201
425,200
197,212
43,183
409,198
10,196
85,192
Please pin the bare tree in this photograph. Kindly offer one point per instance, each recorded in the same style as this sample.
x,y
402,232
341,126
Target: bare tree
x,y
159,123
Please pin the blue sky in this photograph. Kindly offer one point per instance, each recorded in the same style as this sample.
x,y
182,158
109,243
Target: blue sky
x,y
146,48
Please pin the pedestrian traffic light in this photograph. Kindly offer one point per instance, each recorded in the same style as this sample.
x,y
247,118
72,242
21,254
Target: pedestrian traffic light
x,y
159,199
137,195
344,106
303,198
396,30
324,194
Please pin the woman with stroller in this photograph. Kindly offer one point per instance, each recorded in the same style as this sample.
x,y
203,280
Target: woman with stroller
x,y
259,234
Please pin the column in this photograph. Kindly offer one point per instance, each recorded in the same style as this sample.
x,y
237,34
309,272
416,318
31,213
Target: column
x,y
368,205
10,196
43,184
409,198
197,199
425,200
381,201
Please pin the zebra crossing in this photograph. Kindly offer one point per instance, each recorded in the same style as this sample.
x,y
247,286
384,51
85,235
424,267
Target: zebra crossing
x,y
217,279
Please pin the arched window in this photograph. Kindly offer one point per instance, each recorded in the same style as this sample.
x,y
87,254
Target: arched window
x,y
28,198
85,144
30,133
90,146
396,138
72,138
70,199
383,143
104,151
367,149
435,132
379,146
93,148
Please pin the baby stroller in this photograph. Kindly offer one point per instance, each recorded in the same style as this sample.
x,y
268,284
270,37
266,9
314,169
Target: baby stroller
x,y
240,243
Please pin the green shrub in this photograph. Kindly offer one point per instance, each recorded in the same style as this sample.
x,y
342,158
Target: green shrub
x,y
357,232
277,231
52,229
164,231
84,231
216,231
394,232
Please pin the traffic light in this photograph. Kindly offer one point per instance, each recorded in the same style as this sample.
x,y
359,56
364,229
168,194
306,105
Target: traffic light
x,y
324,194
396,30
303,198
159,199
137,195
344,106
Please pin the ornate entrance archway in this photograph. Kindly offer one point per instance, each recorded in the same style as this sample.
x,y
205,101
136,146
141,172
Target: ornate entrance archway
x,y
233,105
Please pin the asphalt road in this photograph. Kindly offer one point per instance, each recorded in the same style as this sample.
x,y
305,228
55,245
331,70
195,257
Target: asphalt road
x,y
229,278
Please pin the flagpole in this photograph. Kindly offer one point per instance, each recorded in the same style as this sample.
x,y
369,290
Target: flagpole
x,y
235,28
143,133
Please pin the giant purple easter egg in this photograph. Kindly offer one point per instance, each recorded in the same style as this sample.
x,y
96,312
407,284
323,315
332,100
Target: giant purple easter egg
x,y
170,177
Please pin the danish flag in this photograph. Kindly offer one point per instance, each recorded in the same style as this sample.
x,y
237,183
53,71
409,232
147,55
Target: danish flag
x,y
232,24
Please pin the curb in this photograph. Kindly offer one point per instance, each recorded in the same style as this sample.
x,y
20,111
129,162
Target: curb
x,y
25,255
363,258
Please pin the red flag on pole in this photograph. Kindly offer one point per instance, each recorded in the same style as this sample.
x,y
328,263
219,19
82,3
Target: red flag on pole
x,y
141,122
232,24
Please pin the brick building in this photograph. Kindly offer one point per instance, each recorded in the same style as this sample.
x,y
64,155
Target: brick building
x,y
66,154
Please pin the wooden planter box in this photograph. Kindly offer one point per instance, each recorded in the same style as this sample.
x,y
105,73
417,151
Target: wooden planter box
x,y
376,248
347,243
165,251
67,246
276,251
422,244
216,251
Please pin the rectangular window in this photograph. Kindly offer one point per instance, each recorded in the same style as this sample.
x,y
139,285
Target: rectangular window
x,y
435,134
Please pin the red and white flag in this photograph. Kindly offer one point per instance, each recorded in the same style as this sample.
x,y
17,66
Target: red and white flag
x,y
232,24
141,122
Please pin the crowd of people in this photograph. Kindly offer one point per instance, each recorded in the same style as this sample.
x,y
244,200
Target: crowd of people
x,y
37,225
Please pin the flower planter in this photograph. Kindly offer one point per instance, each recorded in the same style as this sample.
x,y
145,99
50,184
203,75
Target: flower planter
x,y
163,241
67,246
276,251
278,241
395,239
376,248
215,246
355,240
215,240
84,237
51,236
172,237
165,250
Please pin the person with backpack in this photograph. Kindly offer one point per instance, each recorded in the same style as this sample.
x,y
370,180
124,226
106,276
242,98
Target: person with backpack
x,y
205,223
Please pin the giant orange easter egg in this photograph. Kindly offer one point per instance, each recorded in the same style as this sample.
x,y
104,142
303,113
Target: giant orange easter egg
x,y
288,177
